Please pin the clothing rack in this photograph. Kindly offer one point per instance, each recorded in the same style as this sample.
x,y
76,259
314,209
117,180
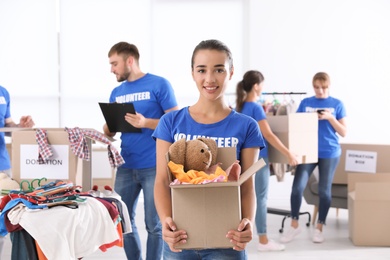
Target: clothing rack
x,y
274,93
283,93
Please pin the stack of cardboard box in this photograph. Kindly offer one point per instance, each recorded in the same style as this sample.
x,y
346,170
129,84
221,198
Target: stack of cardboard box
x,y
369,209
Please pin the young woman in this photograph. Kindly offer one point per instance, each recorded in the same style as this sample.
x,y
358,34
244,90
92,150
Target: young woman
x,y
248,92
331,123
210,116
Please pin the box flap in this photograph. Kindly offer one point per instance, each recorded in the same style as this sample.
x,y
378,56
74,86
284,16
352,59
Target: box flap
x,y
226,156
251,170
352,195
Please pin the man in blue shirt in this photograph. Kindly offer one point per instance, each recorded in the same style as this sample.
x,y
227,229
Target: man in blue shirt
x,y
152,97
6,121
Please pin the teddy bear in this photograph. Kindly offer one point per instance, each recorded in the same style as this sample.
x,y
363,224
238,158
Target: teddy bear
x,y
7,183
200,155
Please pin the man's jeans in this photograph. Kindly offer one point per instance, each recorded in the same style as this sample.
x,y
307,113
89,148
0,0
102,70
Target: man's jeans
x,y
128,184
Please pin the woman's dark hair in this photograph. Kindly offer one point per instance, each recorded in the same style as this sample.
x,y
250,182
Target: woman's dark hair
x,y
213,45
250,78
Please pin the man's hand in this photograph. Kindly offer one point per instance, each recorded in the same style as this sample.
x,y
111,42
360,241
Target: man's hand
x,y
137,120
26,121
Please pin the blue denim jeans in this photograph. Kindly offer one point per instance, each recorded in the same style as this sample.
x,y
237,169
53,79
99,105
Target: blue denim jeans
x,y
326,169
128,184
204,254
261,185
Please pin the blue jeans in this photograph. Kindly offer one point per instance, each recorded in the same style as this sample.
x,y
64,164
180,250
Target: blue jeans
x,y
128,185
326,169
204,254
261,185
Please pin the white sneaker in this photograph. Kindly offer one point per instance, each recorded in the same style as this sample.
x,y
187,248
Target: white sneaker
x,y
290,234
270,246
318,237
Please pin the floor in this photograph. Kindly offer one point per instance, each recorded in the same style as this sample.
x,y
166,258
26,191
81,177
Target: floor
x,y
337,244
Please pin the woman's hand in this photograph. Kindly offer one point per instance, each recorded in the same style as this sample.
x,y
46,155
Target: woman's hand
x,y
242,236
292,159
172,236
325,114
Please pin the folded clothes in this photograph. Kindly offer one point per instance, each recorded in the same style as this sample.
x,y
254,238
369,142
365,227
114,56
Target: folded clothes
x,y
195,177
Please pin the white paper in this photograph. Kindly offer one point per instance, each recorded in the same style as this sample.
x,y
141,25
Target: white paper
x,y
57,167
360,161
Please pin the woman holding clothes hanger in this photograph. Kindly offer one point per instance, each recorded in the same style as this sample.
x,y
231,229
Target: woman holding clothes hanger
x,y
212,69
248,92
331,123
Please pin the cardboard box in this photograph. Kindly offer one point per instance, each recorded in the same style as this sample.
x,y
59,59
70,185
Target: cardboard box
x,y
364,158
208,211
299,133
9,150
102,172
64,164
369,209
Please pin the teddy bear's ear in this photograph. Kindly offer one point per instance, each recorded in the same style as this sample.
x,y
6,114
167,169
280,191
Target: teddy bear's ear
x,y
177,151
213,148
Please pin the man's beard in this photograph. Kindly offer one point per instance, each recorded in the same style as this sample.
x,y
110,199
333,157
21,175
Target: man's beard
x,y
124,76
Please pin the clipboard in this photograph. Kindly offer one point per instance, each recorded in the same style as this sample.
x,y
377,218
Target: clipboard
x,y
114,114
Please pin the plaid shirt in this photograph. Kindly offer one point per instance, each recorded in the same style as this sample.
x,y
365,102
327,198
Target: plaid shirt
x,y
44,149
78,145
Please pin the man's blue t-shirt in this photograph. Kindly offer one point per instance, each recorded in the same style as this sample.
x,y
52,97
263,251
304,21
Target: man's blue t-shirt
x,y
4,114
151,96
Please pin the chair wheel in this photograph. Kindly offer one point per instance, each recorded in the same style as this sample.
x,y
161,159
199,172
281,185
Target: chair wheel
x,y
307,224
281,230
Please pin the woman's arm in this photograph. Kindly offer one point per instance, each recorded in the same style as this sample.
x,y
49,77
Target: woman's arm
x,y
340,126
248,196
244,233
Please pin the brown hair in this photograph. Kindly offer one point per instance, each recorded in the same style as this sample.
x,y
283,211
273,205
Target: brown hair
x,y
250,78
321,76
125,50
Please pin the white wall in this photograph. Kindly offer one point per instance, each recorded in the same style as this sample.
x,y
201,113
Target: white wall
x,y
59,78
292,40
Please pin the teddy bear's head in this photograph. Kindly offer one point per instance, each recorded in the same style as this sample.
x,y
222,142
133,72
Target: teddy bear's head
x,y
198,154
